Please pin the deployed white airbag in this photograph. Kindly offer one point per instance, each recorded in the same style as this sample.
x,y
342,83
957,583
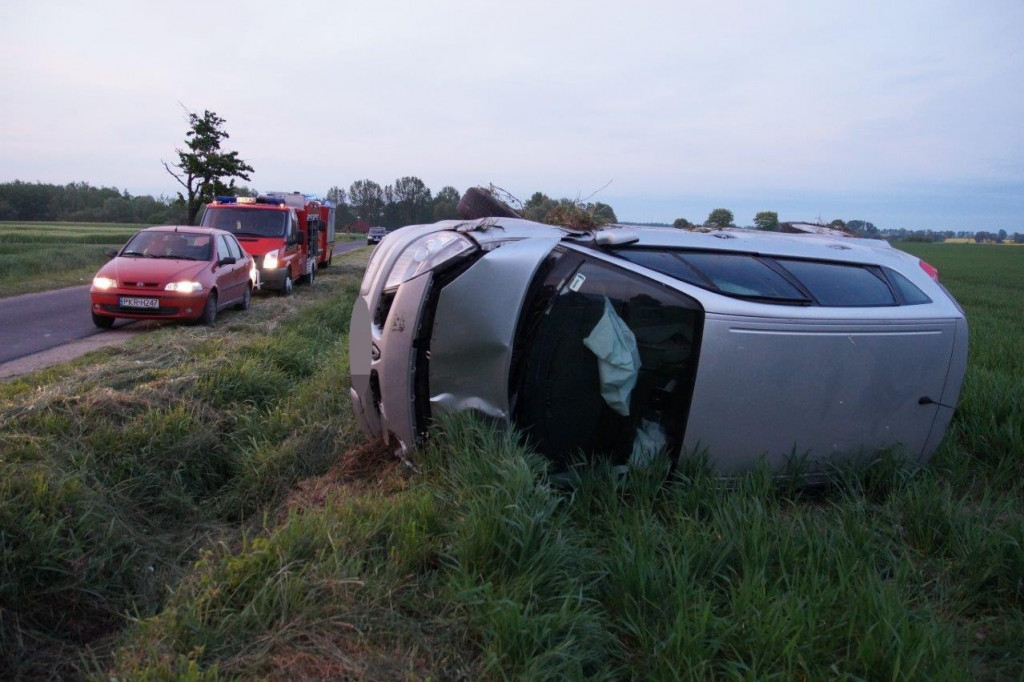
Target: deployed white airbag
x,y
618,360
650,441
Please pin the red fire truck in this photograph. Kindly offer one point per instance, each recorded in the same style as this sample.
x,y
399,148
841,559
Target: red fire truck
x,y
290,234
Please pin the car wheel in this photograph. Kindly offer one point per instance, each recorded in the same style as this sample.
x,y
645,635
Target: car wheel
x,y
246,301
286,287
209,310
102,321
327,263
478,203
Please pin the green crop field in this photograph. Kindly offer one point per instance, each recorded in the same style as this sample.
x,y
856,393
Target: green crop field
x,y
43,256
200,504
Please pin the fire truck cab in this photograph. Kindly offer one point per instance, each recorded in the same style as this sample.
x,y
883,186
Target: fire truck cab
x,y
289,234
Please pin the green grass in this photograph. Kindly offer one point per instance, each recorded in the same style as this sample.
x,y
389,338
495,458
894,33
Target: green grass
x,y
43,256
224,460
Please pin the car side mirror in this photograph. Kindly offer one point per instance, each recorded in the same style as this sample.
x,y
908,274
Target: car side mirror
x,y
110,253
300,236
227,260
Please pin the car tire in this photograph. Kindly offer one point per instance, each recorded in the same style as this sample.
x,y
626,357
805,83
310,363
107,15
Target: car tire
x,y
102,321
286,286
326,263
478,203
246,301
209,310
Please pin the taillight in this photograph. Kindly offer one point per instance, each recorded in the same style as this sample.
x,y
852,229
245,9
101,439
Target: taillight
x,y
931,270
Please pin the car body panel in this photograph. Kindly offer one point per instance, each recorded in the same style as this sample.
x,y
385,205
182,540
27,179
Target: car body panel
x,y
360,354
396,377
754,395
474,327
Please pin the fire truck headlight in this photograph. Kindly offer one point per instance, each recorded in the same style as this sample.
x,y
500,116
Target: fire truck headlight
x,y
270,260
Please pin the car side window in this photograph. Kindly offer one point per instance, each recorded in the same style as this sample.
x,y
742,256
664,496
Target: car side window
x,y
606,364
782,280
840,284
223,251
734,274
235,248
909,292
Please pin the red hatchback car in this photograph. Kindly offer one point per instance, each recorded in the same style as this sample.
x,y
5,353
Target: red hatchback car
x,y
174,273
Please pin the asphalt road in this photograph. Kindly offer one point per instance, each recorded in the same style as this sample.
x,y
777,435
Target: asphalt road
x,y
32,323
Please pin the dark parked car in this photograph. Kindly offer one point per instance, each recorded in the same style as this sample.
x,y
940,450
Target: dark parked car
x,y
375,234
174,273
630,343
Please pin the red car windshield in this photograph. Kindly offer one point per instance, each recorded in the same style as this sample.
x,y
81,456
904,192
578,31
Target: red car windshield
x,y
179,245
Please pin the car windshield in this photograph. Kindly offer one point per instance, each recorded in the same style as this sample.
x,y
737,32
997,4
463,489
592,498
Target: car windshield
x,y
247,222
177,245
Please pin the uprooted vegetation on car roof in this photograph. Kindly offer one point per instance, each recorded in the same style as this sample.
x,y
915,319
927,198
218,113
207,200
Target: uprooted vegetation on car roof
x,y
576,216
579,215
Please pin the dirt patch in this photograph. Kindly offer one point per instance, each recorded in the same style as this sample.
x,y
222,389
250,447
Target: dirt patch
x,y
372,465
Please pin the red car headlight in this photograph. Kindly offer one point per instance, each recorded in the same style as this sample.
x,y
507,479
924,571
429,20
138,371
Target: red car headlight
x,y
103,283
184,287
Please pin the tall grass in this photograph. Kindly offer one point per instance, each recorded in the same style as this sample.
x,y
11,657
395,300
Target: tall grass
x,y
478,567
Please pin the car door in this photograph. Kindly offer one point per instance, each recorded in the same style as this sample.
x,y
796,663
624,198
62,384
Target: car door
x,y
243,265
228,282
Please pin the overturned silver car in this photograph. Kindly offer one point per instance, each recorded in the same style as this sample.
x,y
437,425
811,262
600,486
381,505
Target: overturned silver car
x,y
628,342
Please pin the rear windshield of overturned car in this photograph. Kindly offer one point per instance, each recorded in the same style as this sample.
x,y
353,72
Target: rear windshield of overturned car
x,y
785,281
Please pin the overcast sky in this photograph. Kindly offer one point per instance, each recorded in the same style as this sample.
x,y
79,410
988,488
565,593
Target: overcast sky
x,y
905,113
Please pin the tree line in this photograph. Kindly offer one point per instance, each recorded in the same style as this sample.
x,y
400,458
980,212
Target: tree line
x,y
80,202
408,201
769,220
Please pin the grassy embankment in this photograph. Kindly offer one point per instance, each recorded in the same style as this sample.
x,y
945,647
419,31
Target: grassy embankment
x,y
120,470
42,256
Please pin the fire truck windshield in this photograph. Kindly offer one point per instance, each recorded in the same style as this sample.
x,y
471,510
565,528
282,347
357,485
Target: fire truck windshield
x,y
247,222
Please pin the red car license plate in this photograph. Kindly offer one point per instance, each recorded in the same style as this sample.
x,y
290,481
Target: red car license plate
x,y
129,302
